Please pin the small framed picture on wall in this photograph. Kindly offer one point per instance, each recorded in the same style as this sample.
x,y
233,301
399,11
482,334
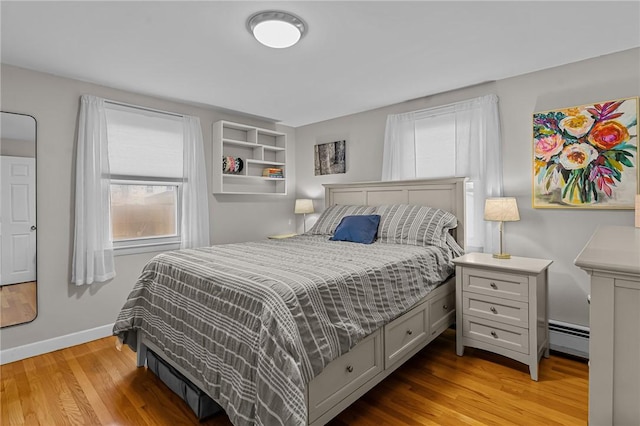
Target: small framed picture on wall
x,y
330,158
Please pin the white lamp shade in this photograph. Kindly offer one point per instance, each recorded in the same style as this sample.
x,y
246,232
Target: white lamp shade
x,y
503,209
638,211
303,206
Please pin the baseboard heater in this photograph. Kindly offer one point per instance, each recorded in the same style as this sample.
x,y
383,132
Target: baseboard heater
x,y
568,338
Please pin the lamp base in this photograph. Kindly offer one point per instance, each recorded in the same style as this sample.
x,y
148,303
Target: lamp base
x,y
502,255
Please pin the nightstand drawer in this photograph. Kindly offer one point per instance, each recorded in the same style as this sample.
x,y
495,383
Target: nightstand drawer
x,y
499,284
496,334
405,333
493,308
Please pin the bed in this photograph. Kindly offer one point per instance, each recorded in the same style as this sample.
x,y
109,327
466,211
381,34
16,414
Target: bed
x,y
293,331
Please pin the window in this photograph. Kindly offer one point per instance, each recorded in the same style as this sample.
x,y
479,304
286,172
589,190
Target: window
x,y
460,139
143,210
141,185
436,156
436,134
146,172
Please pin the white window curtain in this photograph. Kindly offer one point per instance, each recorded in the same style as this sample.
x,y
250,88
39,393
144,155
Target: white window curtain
x,y
195,197
477,156
93,246
93,243
399,155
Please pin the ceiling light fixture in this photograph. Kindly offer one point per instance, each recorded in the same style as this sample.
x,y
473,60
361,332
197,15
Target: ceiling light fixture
x,y
276,29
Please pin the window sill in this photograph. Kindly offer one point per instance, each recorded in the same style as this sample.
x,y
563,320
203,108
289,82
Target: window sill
x,y
145,248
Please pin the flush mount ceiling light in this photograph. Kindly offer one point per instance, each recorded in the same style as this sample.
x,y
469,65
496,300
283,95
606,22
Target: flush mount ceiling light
x,y
276,29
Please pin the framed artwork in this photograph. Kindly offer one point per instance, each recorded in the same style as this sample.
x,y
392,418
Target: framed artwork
x,y
330,158
586,156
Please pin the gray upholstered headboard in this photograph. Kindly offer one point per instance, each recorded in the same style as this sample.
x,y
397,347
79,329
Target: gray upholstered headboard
x,y
445,194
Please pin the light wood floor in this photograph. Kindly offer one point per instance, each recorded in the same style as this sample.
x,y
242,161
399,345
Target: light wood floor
x,y
94,384
17,303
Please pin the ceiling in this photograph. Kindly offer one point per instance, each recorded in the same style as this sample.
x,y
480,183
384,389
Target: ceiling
x,y
356,55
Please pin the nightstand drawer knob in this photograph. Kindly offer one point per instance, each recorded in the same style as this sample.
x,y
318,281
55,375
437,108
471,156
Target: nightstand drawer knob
x,y
409,332
350,368
494,310
445,307
494,334
493,286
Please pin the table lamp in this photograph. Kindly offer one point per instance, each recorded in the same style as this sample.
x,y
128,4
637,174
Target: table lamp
x,y
503,209
304,206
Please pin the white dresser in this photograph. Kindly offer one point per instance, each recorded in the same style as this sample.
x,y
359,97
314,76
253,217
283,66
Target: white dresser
x,y
501,306
612,259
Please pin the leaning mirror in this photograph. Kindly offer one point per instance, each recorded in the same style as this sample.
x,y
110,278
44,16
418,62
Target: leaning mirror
x,y
18,275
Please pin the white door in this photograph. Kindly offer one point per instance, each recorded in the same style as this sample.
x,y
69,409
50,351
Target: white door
x,y
18,220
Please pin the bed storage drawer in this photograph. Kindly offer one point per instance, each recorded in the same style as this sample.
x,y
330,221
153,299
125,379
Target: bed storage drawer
x,y
405,333
201,404
442,312
345,374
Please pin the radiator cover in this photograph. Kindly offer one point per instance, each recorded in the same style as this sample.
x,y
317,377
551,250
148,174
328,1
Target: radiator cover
x,y
568,338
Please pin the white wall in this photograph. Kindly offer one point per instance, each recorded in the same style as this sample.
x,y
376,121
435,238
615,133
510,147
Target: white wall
x,y
552,234
64,309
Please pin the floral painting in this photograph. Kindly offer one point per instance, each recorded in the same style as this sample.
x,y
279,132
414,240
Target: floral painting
x,y
586,156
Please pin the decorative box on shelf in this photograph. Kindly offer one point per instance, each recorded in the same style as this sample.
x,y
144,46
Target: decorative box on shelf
x,y
248,160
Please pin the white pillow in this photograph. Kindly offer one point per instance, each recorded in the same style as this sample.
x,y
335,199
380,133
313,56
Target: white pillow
x,y
415,225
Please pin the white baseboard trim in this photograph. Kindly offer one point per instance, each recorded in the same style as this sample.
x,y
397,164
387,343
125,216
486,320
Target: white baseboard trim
x,y
54,344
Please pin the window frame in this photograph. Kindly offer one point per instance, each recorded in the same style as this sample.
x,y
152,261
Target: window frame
x,y
146,244
149,244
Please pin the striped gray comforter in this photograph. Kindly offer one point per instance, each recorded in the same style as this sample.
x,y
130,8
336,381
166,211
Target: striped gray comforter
x,y
257,321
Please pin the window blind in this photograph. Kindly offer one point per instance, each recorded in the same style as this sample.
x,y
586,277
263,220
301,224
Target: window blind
x,y
144,144
436,146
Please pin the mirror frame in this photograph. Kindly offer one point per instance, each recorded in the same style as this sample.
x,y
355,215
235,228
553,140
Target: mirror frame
x,y
35,124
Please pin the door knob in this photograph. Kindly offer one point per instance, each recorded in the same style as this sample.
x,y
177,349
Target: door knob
x,y
33,227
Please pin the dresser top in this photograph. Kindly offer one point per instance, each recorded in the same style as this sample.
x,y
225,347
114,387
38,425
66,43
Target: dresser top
x,y
612,248
514,264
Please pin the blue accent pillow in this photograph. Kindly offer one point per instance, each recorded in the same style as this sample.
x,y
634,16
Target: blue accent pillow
x,y
357,229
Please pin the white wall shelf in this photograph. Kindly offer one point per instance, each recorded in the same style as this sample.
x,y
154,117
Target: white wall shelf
x,y
239,143
259,149
268,163
251,177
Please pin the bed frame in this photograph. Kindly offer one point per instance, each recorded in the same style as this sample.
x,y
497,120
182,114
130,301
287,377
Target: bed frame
x,y
350,376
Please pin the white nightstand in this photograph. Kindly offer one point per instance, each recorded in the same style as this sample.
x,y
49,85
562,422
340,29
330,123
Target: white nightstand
x,y
501,306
